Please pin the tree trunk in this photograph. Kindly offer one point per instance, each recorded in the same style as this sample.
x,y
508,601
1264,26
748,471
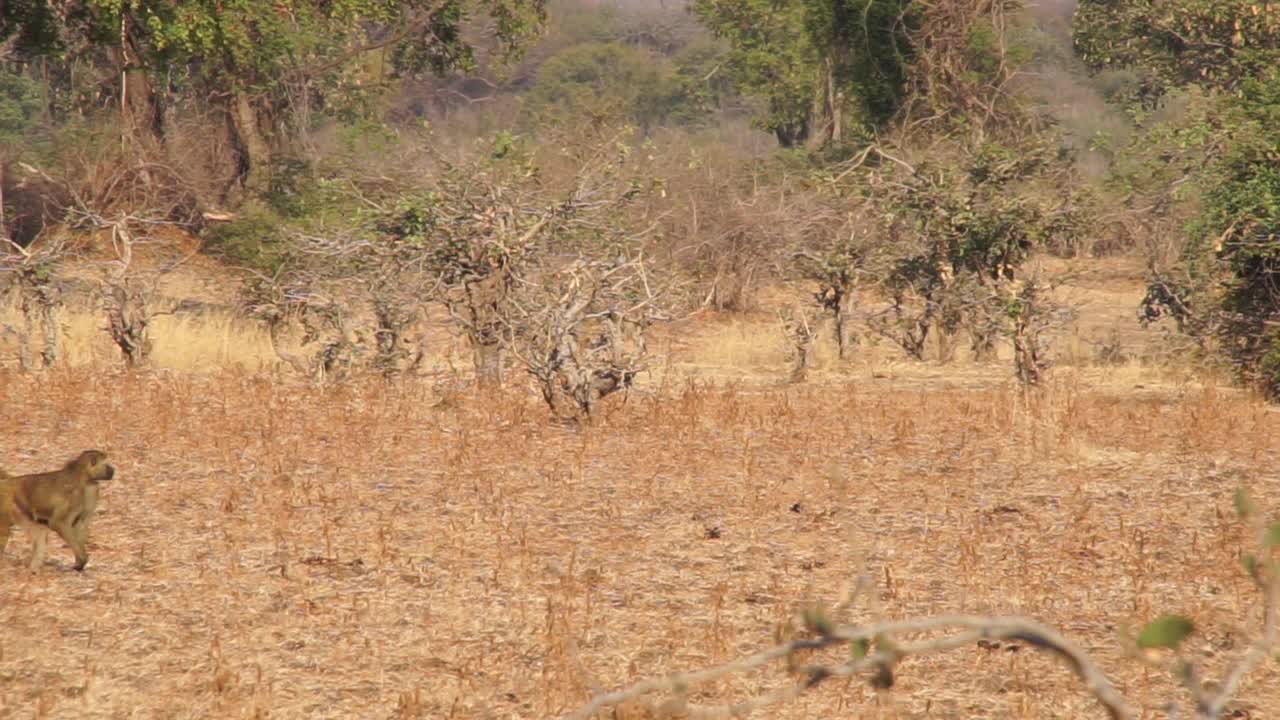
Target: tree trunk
x,y
140,116
39,301
478,308
803,358
792,135
796,325
844,303
1026,355
275,334
252,145
4,223
835,98
396,352
139,108
486,353
826,108
983,343
947,343
127,319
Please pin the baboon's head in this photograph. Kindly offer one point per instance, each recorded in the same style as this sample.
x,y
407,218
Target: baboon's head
x,y
94,465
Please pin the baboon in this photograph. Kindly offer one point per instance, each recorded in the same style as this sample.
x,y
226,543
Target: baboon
x,y
63,500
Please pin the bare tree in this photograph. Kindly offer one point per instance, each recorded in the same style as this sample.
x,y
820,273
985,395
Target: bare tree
x,y
799,327
580,336
485,239
127,321
28,276
127,200
330,347
39,298
838,271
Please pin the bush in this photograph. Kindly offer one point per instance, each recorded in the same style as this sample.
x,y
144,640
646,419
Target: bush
x,y
20,111
254,240
1223,284
609,82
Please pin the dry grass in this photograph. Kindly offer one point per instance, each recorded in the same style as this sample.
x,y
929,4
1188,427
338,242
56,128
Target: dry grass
x,y
275,549
211,341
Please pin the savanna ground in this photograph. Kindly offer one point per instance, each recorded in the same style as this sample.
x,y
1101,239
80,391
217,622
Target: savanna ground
x,y
272,548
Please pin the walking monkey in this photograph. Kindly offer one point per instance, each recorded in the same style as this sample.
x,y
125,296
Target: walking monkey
x,y
62,500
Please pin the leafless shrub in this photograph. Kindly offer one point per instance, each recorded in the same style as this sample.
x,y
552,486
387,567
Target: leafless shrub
x,y
398,349
39,299
1031,313
841,263
581,337
331,348
485,239
799,327
727,227
29,276
127,321
95,177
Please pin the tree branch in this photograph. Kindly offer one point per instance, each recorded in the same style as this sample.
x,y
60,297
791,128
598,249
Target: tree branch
x,y
408,28
972,629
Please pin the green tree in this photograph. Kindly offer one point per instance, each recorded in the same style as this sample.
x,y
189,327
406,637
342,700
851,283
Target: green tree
x,y
812,60
256,60
20,108
1220,153
1214,43
610,82
1240,226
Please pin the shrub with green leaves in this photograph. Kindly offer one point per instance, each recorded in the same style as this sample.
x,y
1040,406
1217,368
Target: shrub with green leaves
x,y
963,229
1170,43
1241,218
807,60
610,82
20,111
1223,286
254,240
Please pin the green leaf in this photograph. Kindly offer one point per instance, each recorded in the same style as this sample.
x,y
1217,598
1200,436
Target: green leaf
x,y
1272,537
1244,507
858,649
816,620
1250,565
1166,631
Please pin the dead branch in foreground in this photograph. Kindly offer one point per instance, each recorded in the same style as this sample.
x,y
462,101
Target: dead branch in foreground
x,y
968,630
876,648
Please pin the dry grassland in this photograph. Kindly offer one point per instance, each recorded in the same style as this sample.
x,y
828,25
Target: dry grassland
x,y
270,549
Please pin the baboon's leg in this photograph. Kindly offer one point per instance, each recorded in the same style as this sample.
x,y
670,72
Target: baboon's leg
x,y
6,524
80,531
75,538
39,539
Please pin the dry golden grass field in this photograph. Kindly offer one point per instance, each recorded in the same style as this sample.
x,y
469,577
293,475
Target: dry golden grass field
x,y
271,549
369,550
